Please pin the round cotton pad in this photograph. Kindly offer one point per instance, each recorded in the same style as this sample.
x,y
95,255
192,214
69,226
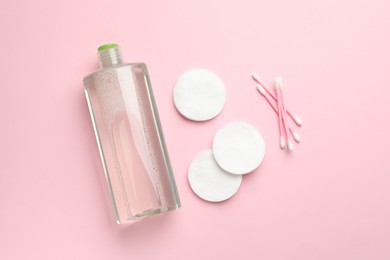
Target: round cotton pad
x,y
209,181
238,148
199,95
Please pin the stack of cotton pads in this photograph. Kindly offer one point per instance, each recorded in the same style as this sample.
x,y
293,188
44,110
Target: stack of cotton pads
x,y
238,148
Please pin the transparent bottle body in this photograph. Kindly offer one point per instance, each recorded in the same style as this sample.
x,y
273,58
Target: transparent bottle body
x,y
131,143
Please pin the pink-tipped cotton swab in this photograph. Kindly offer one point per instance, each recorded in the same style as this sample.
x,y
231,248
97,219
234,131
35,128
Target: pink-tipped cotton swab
x,y
295,135
290,145
282,134
296,119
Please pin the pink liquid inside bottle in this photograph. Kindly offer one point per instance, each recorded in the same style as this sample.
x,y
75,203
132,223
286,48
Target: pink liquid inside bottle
x,y
130,139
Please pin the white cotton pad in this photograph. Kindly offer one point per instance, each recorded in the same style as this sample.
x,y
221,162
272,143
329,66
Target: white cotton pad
x,y
209,181
238,148
199,95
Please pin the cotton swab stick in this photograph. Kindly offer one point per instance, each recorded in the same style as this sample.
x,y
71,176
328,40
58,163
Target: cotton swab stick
x,y
290,145
282,142
295,135
296,119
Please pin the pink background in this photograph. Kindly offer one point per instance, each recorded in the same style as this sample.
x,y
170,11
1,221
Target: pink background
x,y
330,199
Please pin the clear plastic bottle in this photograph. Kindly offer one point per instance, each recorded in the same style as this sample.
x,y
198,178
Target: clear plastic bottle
x,y
130,139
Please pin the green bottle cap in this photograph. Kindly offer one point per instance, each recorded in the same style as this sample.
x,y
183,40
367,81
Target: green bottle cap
x,y
107,46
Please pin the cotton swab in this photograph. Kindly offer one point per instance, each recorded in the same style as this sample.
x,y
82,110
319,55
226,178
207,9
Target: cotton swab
x,y
296,119
282,142
290,145
295,135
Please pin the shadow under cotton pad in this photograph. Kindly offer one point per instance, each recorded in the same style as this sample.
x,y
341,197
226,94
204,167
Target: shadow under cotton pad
x,y
211,182
238,148
199,95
